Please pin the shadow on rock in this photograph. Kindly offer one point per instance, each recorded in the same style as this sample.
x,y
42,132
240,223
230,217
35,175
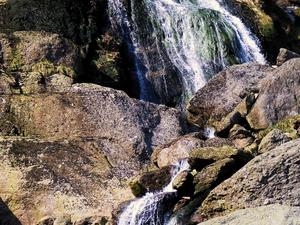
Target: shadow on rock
x,y
6,215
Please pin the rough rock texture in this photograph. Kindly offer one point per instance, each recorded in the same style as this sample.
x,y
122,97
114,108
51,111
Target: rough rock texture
x,y
224,92
178,149
213,174
270,178
91,140
273,139
265,215
279,97
63,180
285,55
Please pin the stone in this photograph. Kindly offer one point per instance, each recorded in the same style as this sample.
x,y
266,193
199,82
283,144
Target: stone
x,y
156,180
266,215
208,106
183,183
273,139
213,174
58,83
285,55
176,150
86,143
278,99
214,153
44,180
271,178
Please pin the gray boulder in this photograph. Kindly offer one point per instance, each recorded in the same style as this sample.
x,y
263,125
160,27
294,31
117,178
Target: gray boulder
x,y
224,92
278,97
264,215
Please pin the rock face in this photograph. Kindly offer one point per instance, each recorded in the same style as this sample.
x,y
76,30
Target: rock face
x,y
277,91
235,83
279,96
271,140
91,140
268,179
62,180
266,215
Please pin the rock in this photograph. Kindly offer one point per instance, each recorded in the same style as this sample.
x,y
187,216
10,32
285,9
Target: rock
x,y
266,215
270,178
137,189
183,183
235,83
156,180
278,98
43,180
176,150
58,83
273,139
91,139
285,55
237,116
214,153
238,132
133,129
243,142
32,83
46,53
78,20
213,174
7,84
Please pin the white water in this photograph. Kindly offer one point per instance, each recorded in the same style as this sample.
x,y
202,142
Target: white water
x,y
187,40
200,36
148,210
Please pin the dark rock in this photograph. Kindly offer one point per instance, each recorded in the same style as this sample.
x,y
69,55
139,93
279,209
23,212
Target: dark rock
x,y
285,55
183,183
213,174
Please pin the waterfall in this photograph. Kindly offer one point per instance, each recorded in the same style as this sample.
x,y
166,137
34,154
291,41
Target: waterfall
x,y
150,209
197,37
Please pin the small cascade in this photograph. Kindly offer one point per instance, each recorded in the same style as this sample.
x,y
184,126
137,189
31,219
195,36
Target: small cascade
x,y
151,209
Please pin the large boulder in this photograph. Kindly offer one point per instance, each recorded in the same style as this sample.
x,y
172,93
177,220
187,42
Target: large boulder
x,y
224,92
279,96
265,215
91,139
270,178
65,181
273,139
129,129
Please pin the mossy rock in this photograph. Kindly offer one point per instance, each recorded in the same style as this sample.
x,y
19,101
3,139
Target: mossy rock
x,y
137,189
288,125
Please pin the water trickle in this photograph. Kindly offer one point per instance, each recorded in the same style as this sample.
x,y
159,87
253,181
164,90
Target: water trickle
x,y
151,209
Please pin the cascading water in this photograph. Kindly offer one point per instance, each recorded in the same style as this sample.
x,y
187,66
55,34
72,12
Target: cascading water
x,y
198,37
150,209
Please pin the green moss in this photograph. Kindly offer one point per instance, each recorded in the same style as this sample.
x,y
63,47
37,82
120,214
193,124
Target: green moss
x,y
286,125
17,61
47,68
137,189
